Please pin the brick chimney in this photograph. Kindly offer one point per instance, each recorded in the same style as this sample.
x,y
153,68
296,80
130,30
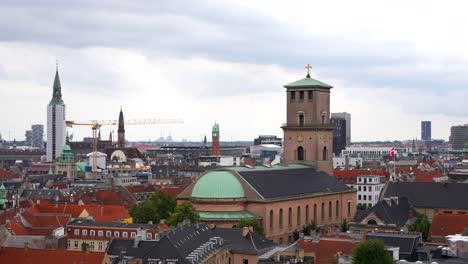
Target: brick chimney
x,y
245,231
364,234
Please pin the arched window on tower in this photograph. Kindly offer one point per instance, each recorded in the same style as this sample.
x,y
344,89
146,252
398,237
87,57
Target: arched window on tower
x,y
325,153
301,119
307,214
300,153
290,216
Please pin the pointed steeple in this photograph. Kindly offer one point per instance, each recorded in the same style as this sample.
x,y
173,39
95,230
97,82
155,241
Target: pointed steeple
x,y
121,130
57,90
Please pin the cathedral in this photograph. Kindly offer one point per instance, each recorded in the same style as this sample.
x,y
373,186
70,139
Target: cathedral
x,y
287,196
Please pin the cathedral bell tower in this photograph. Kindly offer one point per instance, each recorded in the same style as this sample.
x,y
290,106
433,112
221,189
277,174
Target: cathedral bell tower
x,y
121,131
308,134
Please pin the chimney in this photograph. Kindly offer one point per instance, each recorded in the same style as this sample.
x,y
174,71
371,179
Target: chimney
x,y
364,234
136,241
245,231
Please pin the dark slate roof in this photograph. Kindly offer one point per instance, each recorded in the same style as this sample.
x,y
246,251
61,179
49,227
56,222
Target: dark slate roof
x,y
90,223
406,242
252,243
178,244
303,181
431,194
394,213
131,153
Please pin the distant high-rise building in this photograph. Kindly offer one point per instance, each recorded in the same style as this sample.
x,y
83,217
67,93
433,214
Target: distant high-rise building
x,y
35,136
56,128
459,137
339,134
121,131
347,117
426,130
268,139
215,136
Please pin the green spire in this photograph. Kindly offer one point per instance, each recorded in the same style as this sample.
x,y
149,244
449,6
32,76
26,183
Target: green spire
x,y
57,93
215,128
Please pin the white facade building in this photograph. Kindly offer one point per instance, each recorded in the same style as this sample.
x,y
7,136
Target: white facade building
x,y
367,153
56,128
353,162
369,188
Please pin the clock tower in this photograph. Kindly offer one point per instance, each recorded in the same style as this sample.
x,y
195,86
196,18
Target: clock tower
x,y
308,134
215,136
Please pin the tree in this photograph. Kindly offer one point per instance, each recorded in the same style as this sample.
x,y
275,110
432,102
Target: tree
x,y
362,206
184,211
307,229
157,207
371,251
421,224
344,226
296,235
257,227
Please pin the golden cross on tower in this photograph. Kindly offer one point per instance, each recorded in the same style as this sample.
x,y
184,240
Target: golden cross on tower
x,y
308,67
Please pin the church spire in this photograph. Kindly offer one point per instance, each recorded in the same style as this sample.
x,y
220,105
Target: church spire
x,y
57,90
121,130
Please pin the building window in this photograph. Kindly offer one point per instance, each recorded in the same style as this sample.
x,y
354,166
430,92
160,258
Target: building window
x,y
92,233
116,234
307,214
349,208
330,210
133,234
77,232
91,245
323,212
310,95
298,216
84,232
337,209
300,119
281,217
68,243
100,245
325,153
76,243
125,234
100,233
271,218
365,197
315,213
149,236
365,188
108,233
301,95
300,153
370,188
359,197
290,216
370,198
359,188
245,261
293,95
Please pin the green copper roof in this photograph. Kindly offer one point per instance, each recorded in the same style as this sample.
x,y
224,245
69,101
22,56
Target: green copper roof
x,y
57,91
80,166
215,128
308,82
218,184
227,215
67,155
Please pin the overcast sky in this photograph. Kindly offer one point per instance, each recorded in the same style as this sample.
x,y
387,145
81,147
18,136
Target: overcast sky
x,y
392,64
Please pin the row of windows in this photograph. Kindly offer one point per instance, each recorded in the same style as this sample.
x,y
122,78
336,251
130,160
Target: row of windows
x,y
369,188
91,245
307,220
310,95
84,232
377,180
367,197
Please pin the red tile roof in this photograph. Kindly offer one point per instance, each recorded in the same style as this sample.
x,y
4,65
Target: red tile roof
x,y
448,224
105,197
421,176
326,250
9,255
174,191
6,174
350,176
100,213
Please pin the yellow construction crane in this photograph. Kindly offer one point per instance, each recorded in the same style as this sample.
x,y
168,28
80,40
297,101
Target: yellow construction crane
x,y
96,125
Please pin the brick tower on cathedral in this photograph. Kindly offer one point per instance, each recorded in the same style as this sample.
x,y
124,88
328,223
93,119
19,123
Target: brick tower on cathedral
x,y
308,134
215,137
121,131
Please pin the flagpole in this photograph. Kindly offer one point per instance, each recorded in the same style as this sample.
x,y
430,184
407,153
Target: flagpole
x,y
394,166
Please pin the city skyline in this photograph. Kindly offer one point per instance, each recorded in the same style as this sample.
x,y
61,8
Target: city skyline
x,y
216,70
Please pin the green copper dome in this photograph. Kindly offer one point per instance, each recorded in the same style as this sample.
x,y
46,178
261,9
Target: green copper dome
x,y
215,128
218,184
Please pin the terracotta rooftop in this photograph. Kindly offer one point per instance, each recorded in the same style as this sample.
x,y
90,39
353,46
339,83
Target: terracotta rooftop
x,y
100,213
448,224
105,197
326,250
48,256
7,174
350,176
